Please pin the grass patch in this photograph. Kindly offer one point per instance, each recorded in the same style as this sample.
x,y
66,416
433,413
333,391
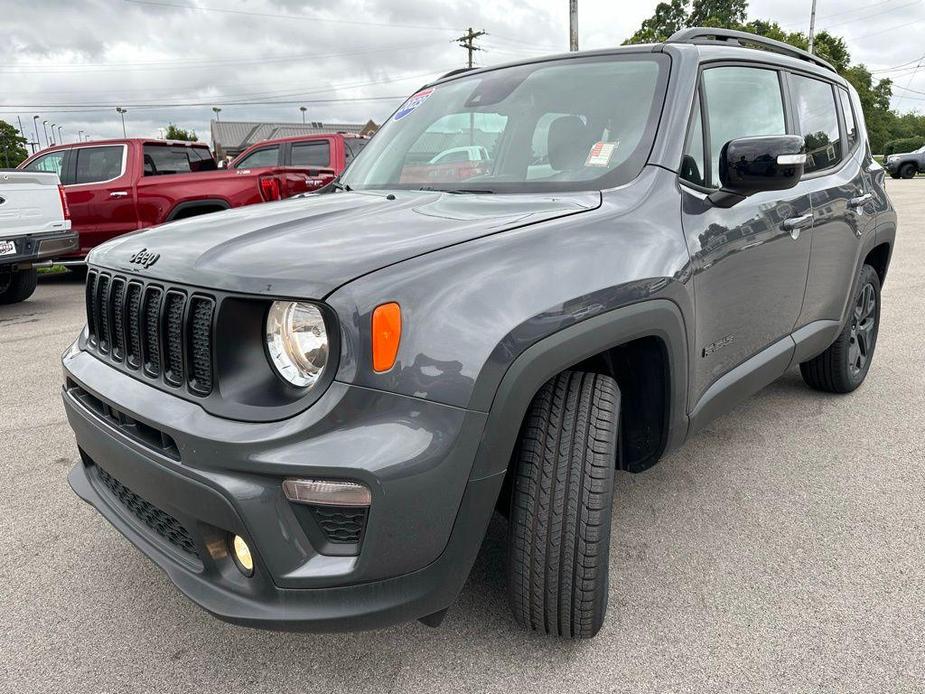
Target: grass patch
x,y
51,269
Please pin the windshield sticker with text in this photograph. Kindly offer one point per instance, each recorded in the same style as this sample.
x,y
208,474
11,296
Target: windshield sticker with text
x,y
413,102
601,153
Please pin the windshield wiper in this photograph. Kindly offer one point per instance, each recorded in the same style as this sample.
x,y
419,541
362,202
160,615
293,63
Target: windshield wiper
x,y
458,191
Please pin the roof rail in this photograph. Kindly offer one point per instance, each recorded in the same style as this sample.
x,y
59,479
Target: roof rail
x,y
457,71
743,38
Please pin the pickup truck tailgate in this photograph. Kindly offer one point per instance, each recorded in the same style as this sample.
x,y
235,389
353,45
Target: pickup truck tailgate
x,y
30,203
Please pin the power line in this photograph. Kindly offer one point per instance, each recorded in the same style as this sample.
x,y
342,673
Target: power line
x,y
229,98
302,17
154,107
39,68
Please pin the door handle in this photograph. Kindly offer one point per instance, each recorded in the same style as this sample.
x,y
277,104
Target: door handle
x,y
795,224
860,201
118,194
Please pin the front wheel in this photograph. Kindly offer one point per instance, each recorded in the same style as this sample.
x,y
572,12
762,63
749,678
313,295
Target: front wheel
x,y
908,171
844,365
561,506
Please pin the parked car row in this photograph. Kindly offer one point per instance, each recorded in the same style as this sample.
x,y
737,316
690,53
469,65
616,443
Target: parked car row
x,y
108,188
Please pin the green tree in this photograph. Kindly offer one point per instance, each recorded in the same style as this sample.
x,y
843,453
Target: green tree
x,y
668,18
883,124
12,146
175,133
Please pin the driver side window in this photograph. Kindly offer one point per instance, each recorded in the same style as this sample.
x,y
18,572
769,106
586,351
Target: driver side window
x,y
737,102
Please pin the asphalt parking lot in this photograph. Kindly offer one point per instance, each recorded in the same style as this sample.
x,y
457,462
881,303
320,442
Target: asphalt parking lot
x,y
781,550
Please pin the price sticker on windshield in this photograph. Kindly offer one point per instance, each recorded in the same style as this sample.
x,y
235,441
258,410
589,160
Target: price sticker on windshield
x,y
413,102
601,153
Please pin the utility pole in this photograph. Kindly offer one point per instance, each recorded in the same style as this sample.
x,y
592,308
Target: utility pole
x,y
466,42
573,24
121,111
812,26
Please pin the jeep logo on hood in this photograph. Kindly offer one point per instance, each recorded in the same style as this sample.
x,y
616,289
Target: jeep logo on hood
x,y
144,257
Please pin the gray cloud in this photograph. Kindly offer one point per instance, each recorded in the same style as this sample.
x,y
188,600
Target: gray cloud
x,y
158,57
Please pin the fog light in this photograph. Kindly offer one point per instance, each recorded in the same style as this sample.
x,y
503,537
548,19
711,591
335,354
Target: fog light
x,y
326,493
242,555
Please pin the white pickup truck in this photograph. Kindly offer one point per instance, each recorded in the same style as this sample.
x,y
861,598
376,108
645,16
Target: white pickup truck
x,y
34,225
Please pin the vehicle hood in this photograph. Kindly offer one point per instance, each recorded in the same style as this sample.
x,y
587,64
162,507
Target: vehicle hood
x,y
308,247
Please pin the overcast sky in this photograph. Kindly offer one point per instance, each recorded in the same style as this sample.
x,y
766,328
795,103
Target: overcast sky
x,y
73,61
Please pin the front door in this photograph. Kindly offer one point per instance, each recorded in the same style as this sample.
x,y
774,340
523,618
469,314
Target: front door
x,y
749,261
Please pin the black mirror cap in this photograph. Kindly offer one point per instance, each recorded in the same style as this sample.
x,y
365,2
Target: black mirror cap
x,y
751,165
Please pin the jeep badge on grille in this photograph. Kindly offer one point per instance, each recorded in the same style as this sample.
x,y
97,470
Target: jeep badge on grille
x,y
144,257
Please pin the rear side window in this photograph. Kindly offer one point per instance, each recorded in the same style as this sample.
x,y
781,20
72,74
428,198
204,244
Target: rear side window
x,y
740,102
851,127
817,121
48,163
311,153
98,164
268,156
161,160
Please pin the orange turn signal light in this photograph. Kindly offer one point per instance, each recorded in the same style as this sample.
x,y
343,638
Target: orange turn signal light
x,y
386,335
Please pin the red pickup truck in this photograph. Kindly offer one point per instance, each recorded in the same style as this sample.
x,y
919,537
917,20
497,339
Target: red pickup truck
x,y
333,151
117,186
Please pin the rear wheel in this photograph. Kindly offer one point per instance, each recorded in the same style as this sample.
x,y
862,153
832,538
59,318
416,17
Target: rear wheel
x,y
561,506
17,285
908,171
844,365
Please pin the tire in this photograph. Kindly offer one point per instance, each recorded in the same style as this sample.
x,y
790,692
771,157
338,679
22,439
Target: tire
x,y
18,286
894,175
908,171
844,365
561,506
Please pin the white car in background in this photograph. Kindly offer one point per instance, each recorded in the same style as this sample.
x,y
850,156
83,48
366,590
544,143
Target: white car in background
x,y
458,155
34,225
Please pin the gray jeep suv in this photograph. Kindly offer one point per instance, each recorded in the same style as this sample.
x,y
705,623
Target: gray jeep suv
x,y
307,411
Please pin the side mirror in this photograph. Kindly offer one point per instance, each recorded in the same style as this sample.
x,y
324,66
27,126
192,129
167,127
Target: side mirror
x,y
751,165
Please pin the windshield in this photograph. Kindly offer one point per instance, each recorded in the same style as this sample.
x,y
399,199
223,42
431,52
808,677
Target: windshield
x,y
568,124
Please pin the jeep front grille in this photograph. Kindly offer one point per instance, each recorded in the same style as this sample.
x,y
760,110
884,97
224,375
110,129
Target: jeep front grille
x,y
163,331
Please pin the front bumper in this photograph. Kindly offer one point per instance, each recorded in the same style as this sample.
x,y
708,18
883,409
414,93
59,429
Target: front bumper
x,y
31,248
218,477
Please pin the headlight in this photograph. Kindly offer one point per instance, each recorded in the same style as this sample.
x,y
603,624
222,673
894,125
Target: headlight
x,y
297,342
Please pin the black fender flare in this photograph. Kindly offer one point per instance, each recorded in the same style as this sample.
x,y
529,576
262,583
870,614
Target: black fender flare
x,y
192,204
541,361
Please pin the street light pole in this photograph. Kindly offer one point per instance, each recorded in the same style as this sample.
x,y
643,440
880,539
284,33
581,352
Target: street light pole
x,y
35,124
121,111
812,26
60,136
45,128
217,110
303,110
53,126
80,135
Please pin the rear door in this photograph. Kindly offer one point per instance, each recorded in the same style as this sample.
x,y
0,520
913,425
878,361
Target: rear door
x,y
310,154
100,176
840,189
749,261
